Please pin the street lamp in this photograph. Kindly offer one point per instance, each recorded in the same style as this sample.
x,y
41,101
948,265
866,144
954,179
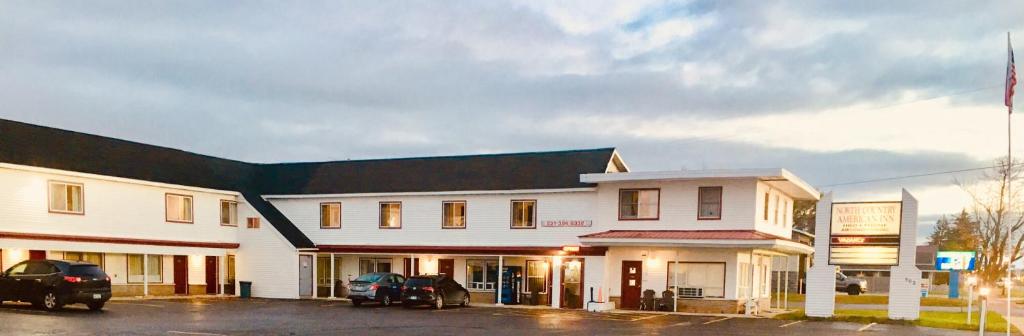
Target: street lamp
x,y
983,292
971,282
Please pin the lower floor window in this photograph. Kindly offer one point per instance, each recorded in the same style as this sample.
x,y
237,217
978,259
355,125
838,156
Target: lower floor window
x,y
135,268
536,276
231,270
323,270
372,265
481,274
92,258
744,285
697,279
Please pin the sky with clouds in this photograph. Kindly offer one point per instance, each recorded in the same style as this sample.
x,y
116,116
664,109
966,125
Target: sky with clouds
x,y
834,91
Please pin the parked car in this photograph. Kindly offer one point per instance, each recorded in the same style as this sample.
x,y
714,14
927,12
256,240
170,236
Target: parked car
x,y
51,284
384,288
850,285
434,290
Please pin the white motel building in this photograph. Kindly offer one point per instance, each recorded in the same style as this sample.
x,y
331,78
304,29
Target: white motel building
x,y
559,229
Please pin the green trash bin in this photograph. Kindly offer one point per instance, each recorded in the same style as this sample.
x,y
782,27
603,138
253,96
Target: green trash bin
x,y
246,289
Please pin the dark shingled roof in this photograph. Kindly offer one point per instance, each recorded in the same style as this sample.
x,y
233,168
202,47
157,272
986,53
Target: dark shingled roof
x,y
39,146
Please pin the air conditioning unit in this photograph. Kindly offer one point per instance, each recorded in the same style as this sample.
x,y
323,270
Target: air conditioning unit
x,y
691,292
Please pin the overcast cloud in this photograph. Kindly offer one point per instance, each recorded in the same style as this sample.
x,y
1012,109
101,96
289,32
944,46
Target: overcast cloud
x,y
835,91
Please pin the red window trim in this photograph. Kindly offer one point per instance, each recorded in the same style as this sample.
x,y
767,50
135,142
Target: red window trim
x,y
322,204
512,214
465,206
380,219
700,203
618,205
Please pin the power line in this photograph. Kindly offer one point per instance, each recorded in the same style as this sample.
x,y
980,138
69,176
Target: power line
x,y
884,179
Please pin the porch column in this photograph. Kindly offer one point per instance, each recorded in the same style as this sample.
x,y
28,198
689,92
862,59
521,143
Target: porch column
x,y
332,277
501,267
785,288
316,274
750,288
556,282
675,284
145,275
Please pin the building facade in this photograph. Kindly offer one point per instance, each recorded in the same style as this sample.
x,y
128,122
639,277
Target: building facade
x,y
564,229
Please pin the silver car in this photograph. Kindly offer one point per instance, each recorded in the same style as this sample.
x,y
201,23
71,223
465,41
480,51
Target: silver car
x,y
383,288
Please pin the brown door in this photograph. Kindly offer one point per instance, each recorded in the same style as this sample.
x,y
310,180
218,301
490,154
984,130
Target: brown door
x,y
180,274
632,280
446,267
36,255
211,275
413,266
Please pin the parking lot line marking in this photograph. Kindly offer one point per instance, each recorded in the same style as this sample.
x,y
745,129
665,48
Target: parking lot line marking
x,y
866,327
791,323
192,333
645,317
718,320
137,304
680,324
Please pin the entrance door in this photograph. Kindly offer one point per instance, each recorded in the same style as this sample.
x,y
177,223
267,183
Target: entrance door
x,y
305,275
414,267
446,267
572,284
36,255
229,285
632,280
211,275
180,274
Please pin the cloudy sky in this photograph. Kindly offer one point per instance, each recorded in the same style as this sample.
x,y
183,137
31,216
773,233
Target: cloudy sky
x,y
834,91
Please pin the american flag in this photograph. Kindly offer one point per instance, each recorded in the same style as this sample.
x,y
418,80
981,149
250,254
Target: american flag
x,y
1011,75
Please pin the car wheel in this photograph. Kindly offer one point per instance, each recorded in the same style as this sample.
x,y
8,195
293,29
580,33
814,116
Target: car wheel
x,y
51,301
357,303
853,290
387,301
96,306
465,300
439,303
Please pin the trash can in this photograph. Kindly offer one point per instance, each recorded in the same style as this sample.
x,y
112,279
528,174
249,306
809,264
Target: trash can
x,y
246,289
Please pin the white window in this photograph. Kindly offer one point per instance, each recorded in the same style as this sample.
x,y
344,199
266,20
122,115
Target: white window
x,y
330,215
524,214
228,213
536,276
92,258
481,274
708,277
372,265
179,208
636,204
390,215
744,285
454,216
135,265
66,197
777,206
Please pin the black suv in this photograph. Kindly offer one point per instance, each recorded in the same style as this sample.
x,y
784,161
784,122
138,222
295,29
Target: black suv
x,y
435,290
51,284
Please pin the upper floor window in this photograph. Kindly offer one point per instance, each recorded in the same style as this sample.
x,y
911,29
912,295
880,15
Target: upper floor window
x,y
252,222
228,213
330,215
637,204
179,208
66,197
454,216
766,206
777,205
524,214
710,199
390,215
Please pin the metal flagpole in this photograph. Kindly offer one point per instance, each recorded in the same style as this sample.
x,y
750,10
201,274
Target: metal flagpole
x,y
1009,194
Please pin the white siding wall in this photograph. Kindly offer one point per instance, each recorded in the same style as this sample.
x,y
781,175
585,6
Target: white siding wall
x,y
266,258
678,206
655,267
488,220
112,209
781,224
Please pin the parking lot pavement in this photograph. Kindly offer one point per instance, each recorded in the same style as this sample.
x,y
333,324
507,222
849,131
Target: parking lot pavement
x,y
211,317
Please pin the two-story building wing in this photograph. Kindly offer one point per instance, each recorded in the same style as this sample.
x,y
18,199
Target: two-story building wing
x,y
550,228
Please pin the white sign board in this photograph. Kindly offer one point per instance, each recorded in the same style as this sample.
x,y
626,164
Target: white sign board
x,y
865,233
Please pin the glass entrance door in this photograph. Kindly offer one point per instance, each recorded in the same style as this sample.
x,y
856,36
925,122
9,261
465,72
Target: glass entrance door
x,y
572,284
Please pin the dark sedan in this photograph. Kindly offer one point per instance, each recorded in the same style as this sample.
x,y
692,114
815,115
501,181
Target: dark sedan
x,y
434,290
51,284
383,288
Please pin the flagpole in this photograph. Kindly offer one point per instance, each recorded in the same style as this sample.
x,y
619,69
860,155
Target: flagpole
x,y
1009,194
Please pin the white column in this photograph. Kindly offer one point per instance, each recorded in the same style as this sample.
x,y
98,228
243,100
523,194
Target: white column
x,y
332,277
145,275
556,282
821,278
750,288
785,287
501,267
905,279
316,274
675,284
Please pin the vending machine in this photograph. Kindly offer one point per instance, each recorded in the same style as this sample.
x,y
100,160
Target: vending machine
x,y
511,280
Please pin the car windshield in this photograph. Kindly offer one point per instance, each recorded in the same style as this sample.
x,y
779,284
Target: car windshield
x,y
370,277
87,270
419,282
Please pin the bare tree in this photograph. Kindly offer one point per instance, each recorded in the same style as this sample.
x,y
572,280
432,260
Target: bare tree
x,y
997,206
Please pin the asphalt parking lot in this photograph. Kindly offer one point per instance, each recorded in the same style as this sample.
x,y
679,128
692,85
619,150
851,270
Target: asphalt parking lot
x,y
211,317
